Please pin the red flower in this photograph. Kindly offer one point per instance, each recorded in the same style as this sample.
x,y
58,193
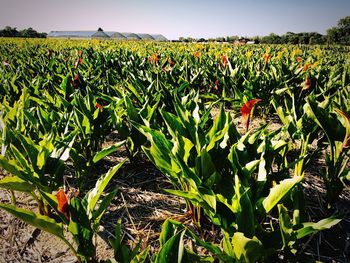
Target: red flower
x,y
247,109
99,106
62,206
79,61
216,87
76,81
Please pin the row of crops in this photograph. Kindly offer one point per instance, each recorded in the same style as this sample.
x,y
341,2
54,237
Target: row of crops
x,y
60,100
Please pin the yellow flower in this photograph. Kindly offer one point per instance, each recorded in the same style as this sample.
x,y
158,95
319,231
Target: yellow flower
x,y
296,52
317,53
316,63
280,55
249,54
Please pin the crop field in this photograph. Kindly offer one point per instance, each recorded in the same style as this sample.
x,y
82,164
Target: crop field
x,y
173,152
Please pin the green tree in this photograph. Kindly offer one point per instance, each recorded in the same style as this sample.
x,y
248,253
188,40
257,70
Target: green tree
x,y
9,32
341,33
271,39
231,38
29,32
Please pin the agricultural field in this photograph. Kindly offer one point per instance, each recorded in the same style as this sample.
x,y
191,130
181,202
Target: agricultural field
x,y
171,152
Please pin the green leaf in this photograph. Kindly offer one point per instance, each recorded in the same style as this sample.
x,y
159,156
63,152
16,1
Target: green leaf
x,y
173,123
79,226
116,243
286,227
141,257
227,245
30,147
11,166
104,204
66,86
20,158
182,148
108,150
42,222
207,167
332,127
246,249
245,215
93,195
135,92
172,251
311,227
16,184
279,191
169,228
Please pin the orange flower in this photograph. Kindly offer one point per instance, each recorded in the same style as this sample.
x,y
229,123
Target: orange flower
x,y
298,59
307,66
197,55
247,109
63,206
225,60
267,57
154,58
307,83
80,52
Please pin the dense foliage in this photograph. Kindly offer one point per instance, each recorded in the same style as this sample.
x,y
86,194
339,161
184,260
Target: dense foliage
x,y
61,99
27,33
335,35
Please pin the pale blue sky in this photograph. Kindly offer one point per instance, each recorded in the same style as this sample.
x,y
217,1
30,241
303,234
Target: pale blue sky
x,y
176,18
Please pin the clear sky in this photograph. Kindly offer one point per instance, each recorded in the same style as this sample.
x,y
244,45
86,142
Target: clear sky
x,y
176,18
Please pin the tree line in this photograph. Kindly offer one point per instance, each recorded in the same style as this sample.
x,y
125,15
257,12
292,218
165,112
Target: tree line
x,y
27,33
339,34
